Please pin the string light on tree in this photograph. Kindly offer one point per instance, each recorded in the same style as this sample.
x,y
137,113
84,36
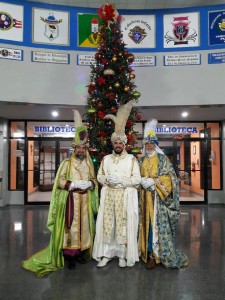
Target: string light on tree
x,y
111,85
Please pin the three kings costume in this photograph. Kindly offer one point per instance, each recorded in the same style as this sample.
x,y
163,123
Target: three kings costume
x,y
70,218
160,212
117,221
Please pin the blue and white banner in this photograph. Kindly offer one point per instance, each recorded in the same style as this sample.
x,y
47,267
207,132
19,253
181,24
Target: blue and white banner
x,y
138,31
181,30
217,27
11,22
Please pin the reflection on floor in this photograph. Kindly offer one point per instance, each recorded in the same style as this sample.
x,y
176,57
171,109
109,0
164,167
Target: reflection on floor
x,y
39,196
185,195
200,234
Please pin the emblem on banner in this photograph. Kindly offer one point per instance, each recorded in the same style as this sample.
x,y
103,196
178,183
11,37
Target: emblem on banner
x,y
222,25
5,53
181,32
94,37
137,34
7,21
51,27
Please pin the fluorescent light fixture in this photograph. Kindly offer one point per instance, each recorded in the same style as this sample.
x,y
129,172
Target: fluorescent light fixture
x,y
184,114
202,135
17,226
55,114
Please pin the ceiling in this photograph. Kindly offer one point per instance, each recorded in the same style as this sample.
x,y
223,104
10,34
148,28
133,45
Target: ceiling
x,y
28,111
134,4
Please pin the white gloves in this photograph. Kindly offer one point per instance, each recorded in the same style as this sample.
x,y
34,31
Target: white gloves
x,y
84,184
80,184
148,183
113,179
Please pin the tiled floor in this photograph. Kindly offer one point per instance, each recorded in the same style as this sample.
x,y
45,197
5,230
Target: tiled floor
x,y
200,234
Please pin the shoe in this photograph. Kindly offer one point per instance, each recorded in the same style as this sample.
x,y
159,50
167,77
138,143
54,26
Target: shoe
x,y
122,263
72,263
82,260
103,262
151,263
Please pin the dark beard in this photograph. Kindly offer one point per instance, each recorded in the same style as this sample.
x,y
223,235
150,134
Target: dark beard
x,y
80,156
118,151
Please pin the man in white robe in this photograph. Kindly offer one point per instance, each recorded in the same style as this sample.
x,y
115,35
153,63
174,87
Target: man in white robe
x,y
117,221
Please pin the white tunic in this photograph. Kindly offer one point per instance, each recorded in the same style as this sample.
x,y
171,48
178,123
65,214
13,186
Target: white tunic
x,y
126,168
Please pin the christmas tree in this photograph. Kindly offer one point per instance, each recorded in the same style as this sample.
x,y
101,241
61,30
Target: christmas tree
x,y
111,85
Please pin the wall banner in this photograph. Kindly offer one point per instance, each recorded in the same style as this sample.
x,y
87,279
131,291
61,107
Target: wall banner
x,y
11,22
217,27
50,27
88,30
181,30
138,31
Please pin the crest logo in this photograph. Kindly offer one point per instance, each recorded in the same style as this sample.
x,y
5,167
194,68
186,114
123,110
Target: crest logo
x,y
51,27
94,37
137,34
7,21
181,34
222,25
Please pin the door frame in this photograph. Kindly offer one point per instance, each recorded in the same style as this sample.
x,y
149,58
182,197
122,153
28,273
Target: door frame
x,y
57,141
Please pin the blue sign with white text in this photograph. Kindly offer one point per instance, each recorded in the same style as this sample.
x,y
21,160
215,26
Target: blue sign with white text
x,y
216,58
217,27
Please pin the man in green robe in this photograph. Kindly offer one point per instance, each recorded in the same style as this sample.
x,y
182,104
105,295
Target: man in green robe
x,y
74,203
159,206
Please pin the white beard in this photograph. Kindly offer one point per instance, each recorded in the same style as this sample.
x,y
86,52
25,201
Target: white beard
x,y
150,152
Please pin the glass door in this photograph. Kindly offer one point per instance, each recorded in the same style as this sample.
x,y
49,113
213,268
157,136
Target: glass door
x,y
41,170
190,166
44,158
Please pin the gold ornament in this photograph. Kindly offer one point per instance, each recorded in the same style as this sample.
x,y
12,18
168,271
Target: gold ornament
x,y
117,85
110,87
114,59
132,76
109,72
126,88
93,83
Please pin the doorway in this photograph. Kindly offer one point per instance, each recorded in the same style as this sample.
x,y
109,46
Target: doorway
x,y
188,159
43,159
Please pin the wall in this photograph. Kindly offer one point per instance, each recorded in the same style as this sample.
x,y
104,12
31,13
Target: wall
x,y
67,84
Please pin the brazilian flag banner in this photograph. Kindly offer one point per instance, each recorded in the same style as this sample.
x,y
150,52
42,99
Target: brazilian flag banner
x,y
89,30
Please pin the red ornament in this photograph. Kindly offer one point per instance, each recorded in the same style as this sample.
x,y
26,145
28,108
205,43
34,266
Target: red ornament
x,y
111,96
100,104
138,116
114,110
101,133
129,123
101,115
130,138
101,81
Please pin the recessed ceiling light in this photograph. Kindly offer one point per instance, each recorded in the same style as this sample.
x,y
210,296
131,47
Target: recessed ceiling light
x,y
55,114
184,114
